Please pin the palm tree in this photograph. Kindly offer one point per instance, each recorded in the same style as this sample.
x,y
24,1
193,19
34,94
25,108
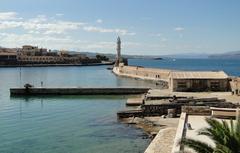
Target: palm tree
x,y
226,137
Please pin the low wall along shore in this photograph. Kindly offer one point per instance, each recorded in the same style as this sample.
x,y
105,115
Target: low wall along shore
x,y
143,73
77,91
178,81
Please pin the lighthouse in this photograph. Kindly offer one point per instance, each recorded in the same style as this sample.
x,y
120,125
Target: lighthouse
x,y
118,57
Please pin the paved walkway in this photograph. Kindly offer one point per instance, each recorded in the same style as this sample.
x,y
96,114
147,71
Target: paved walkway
x,y
163,142
221,95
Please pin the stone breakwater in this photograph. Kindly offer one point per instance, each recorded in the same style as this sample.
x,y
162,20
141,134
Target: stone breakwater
x,y
160,76
77,91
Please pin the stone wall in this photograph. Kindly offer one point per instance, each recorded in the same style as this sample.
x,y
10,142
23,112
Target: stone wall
x,y
143,73
235,85
196,110
77,91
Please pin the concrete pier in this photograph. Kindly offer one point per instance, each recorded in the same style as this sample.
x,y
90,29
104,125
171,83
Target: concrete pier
x,y
157,75
135,101
77,91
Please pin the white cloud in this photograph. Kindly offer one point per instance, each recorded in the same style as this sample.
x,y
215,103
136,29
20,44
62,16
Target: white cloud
x,y
38,19
51,42
51,32
34,32
159,35
54,42
164,39
10,24
105,30
42,24
59,14
99,21
54,27
179,29
156,34
8,15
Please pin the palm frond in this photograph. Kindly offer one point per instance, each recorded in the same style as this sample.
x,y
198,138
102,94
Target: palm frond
x,y
226,137
222,149
197,146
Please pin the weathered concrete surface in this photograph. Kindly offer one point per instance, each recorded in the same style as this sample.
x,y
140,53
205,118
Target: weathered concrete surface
x,y
78,91
235,85
165,129
224,112
161,75
220,95
163,142
179,133
134,101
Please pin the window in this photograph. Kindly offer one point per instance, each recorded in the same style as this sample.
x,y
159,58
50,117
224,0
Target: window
x,y
215,85
182,84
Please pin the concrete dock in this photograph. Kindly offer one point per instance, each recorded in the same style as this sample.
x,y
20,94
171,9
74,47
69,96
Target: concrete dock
x,y
77,91
135,101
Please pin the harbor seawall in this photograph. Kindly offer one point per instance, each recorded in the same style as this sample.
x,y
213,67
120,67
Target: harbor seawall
x,y
158,75
77,91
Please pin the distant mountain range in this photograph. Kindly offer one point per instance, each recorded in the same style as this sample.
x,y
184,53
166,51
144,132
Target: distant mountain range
x,y
187,56
113,56
227,55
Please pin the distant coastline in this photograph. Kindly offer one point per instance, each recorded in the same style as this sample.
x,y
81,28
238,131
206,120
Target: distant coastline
x,y
32,56
56,65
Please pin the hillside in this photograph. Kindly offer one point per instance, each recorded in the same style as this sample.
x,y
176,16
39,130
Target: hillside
x,y
227,55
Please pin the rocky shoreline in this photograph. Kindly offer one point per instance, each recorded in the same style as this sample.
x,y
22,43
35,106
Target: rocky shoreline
x,y
152,125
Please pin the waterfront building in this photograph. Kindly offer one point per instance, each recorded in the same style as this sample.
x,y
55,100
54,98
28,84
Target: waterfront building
x,y
33,54
199,81
39,59
8,57
32,50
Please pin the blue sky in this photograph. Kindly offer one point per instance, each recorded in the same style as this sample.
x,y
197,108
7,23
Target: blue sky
x,y
147,27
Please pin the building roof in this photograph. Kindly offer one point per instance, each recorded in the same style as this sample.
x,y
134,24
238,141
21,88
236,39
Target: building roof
x,y
198,75
7,53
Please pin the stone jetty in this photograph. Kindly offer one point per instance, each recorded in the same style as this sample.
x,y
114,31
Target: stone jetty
x,y
77,91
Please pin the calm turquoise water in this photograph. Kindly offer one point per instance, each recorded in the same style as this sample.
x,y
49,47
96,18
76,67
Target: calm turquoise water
x,y
65,124
77,124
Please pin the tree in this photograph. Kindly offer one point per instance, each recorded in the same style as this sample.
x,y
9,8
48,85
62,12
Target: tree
x,y
226,137
102,57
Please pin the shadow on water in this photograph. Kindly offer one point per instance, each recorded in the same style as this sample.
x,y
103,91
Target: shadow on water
x,y
31,98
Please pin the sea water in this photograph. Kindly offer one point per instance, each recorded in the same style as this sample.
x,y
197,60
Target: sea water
x,y
65,124
230,66
78,124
